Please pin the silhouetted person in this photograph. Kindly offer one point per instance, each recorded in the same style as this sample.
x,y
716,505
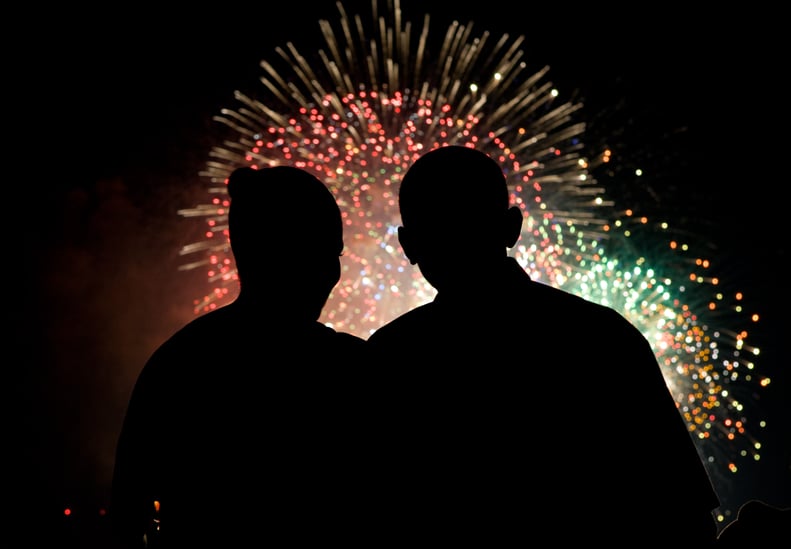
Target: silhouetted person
x,y
758,525
243,425
522,411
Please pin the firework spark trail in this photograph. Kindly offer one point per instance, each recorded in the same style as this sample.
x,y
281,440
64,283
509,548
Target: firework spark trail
x,y
377,100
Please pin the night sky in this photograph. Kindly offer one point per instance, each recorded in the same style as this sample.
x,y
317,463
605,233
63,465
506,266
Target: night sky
x,y
116,124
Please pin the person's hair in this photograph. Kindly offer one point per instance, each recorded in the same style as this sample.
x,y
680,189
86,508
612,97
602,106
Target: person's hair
x,y
281,211
455,181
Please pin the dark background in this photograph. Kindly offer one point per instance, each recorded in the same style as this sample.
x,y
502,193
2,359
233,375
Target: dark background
x,y
114,122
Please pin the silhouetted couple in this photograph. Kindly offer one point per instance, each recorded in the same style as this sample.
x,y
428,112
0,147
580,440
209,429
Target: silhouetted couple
x,y
502,412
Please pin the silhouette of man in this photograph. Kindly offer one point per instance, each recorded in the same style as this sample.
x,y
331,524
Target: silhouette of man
x,y
521,411
243,425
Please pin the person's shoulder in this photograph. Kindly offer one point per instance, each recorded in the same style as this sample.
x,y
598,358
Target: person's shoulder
x,y
420,318
589,320
564,301
758,524
349,339
190,342
199,327
322,338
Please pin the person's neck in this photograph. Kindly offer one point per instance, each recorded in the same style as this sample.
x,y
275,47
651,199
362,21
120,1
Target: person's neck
x,y
282,305
479,279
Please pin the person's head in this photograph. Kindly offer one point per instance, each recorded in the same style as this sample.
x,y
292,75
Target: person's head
x,y
286,235
455,215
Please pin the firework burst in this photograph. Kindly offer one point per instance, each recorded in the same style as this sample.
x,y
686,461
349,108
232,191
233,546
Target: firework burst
x,y
359,111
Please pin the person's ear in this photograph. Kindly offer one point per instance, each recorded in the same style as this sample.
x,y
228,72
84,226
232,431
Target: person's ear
x,y
513,226
407,244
